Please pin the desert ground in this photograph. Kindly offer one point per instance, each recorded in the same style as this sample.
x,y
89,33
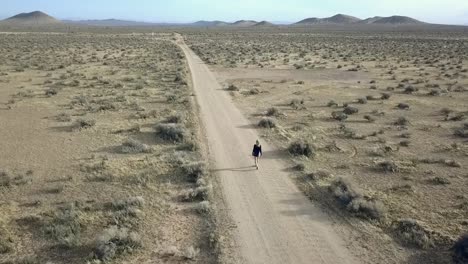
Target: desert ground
x,y
373,125
133,145
100,154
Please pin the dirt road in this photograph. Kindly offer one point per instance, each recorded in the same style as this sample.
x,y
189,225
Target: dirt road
x,y
275,222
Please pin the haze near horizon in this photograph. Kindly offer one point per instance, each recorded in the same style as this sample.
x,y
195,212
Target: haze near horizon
x,y
185,11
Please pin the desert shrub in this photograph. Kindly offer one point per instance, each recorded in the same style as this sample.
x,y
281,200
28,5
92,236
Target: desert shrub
x,y
171,132
299,167
197,194
195,170
439,181
410,89
171,98
80,124
460,250
462,131
332,103
455,117
301,148
65,227
254,91
319,175
413,233
176,118
296,103
267,123
51,92
203,207
232,87
349,110
354,201
405,143
452,163
388,166
338,115
385,96
403,106
273,111
63,117
115,241
130,146
5,179
434,92
401,121
362,101
369,118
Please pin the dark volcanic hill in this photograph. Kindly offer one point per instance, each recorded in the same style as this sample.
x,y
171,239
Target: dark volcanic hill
x,y
215,23
308,21
339,19
244,23
264,24
370,20
33,18
336,19
398,20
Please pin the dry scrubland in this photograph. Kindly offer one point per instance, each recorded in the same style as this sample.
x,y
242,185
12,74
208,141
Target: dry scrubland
x,y
100,159
376,123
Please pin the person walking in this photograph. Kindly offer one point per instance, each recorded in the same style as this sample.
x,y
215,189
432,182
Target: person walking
x,y
257,152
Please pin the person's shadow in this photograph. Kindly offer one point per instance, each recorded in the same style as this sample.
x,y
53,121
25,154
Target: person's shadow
x,y
246,168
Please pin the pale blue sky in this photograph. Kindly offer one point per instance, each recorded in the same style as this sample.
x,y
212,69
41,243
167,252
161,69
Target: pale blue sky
x,y
435,11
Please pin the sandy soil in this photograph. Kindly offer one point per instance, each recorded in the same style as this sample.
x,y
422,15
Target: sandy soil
x,y
59,177
275,222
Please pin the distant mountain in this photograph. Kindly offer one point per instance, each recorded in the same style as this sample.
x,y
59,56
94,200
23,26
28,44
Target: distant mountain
x,y
370,20
264,24
339,19
33,18
336,19
109,23
215,23
398,20
308,21
244,23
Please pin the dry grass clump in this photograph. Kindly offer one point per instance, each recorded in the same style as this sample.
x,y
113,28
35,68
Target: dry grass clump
x,y
401,121
349,110
189,253
8,179
388,166
273,111
232,87
338,115
355,201
332,103
460,250
195,170
462,131
115,241
267,122
301,148
203,207
413,233
80,124
132,146
63,117
176,118
171,132
65,227
319,175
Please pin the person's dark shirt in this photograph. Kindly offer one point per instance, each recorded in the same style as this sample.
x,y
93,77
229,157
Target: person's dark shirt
x,y
257,150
